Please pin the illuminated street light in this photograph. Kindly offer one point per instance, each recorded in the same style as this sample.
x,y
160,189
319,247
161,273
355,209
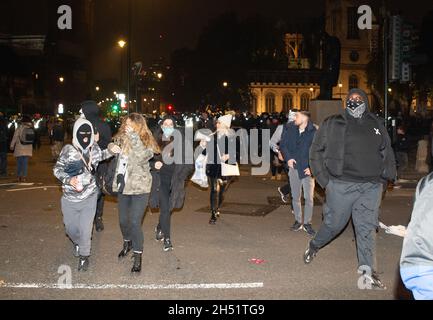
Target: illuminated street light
x,y
311,89
159,75
60,109
97,88
61,79
389,90
115,93
225,84
340,85
121,43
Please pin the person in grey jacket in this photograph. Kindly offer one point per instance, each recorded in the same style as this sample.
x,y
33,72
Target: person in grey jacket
x,y
75,168
351,156
416,262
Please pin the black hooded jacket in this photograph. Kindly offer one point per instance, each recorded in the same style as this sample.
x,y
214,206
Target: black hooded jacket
x,y
179,172
330,158
91,112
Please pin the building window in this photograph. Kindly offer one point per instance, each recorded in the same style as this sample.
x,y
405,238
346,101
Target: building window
x,y
270,102
305,101
287,102
353,81
352,23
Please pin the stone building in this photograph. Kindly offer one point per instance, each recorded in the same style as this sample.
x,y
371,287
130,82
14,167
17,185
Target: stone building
x,y
277,91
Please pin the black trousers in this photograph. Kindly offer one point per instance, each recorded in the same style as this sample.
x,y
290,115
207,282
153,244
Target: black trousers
x,y
359,201
216,192
100,205
164,205
131,214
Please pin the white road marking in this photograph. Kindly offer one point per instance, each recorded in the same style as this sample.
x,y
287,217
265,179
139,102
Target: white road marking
x,y
16,184
34,188
177,286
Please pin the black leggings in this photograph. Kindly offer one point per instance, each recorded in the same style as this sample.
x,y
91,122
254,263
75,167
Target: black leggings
x,y
164,205
216,192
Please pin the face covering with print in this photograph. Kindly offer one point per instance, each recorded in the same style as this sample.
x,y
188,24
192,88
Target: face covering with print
x,y
355,107
84,136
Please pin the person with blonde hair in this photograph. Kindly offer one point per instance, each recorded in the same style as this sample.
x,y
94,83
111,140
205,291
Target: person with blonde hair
x,y
133,182
221,149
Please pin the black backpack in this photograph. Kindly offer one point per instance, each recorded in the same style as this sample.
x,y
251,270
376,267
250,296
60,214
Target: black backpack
x,y
105,173
27,136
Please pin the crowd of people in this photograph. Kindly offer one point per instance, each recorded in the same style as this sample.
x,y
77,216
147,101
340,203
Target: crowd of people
x,y
350,156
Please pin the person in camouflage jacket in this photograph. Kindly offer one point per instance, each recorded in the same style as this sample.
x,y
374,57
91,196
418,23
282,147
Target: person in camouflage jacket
x,y
133,182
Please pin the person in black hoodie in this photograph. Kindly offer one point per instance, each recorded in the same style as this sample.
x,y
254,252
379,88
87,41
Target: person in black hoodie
x,y
351,156
168,177
90,111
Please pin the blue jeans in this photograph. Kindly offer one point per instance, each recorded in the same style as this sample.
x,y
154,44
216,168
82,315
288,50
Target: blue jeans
x,y
22,165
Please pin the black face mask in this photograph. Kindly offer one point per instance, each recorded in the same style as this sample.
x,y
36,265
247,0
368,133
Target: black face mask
x,y
84,136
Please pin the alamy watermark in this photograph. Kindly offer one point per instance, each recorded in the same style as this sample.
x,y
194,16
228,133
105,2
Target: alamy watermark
x,y
65,20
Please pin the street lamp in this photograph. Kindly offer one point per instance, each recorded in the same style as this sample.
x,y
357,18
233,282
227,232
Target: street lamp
x,y
340,85
225,84
159,75
97,88
61,79
121,43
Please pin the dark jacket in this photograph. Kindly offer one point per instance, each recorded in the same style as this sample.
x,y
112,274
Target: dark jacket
x,y
216,148
181,172
91,112
327,150
402,143
297,146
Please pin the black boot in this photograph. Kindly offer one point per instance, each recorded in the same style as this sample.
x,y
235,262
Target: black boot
x,y
136,266
99,225
127,247
213,217
83,264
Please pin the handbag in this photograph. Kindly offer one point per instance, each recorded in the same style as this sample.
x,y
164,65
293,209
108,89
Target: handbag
x,y
229,170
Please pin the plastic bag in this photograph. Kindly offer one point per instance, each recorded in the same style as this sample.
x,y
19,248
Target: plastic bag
x,y
200,176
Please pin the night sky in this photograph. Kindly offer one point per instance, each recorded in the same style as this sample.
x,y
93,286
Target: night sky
x,y
180,22
161,26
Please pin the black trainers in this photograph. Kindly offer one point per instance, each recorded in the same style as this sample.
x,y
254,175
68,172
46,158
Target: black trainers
x,y
159,236
308,228
168,246
76,250
296,226
99,225
83,264
284,197
370,281
310,253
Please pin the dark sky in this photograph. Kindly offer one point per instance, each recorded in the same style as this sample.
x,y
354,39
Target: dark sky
x,y
180,22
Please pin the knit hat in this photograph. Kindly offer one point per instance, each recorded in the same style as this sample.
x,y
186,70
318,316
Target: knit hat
x,y
226,120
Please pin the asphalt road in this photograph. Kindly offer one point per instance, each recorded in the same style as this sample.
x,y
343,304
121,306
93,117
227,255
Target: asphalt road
x,y
209,262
